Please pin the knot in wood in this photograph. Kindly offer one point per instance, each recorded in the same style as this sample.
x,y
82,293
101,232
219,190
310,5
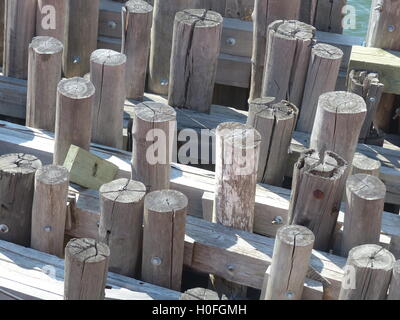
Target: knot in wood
x,y
318,194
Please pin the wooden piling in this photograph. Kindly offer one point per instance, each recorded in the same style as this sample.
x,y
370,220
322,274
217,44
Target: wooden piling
x,y
363,164
17,178
316,194
49,209
19,29
2,8
367,273
322,75
44,73
200,294
394,288
85,272
265,12
153,135
73,116
275,122
163,238
195,49
290,263
288,54
137,18
107,73
121,220
365,198
329,15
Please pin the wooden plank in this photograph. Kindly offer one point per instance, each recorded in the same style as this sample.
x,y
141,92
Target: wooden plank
x,y
233,71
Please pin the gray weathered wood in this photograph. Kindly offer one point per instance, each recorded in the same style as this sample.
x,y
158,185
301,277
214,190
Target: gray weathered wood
x,y
107,73
163,238
322,75
394,246
49,209
17,178
86,267
137,18
121,220
2,7
200,294
365,197
73,117
290,263
275,122
307,11
363,164
368,272
394,288
195,48
44,73
329,16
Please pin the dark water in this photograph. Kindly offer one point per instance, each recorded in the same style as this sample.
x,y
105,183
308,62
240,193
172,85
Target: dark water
x,y
362,16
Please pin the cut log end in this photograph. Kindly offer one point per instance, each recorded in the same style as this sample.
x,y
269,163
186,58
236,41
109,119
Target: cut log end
x,y
366,186
239,135
341,102
123,191
371,256
19,163
329,165
295,30
266,108
327,51
199,17
76,88
52,174
46,45
107,57
165,201
364,164
155,112
138,6
87,250
296,235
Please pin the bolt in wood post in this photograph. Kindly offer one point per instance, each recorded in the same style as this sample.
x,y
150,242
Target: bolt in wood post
x,y
288,54
19,29
394,288
49,209
275,123
86,266
44,73
195,50
363,164
107,73
17,179
136,27
290,261
73,116
163,238
154,126
365,198
322,75
265,12
329,15
315,193
121,220
367,273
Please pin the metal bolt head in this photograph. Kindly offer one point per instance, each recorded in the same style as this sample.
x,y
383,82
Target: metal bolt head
x,y
277,220
47,228
164,82
230,267
98,224
4,228
290,294
231,41
76,59
372,99
112,24
155,261
391,28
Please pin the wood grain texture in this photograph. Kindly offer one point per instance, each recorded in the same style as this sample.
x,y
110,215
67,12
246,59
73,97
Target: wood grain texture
x,y
394,289
49,209
121,220
44,73
17,177
2,9
364,164
329,15
200,294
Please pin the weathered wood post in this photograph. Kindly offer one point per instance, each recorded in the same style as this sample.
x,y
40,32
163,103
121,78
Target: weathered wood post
x,y
19,29
290,261
17,179
195,50
44,73
307,11
329,15
85,272
275,122
265,12
363,164
365,198
315,194
73,116
154,126
107,73
82,36
200,294
121,220
163,238
2,9
322,75
288,54
49,209
136,27
367,273
394,288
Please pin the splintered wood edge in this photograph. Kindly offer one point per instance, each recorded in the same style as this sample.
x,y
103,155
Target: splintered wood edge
x,y
293,29
296,235
342,102
267,108
107,57
46,45
87,250
19,163
366,186
154,112
76,88
199,18
123,191
52,174
138,6
165,201
371,256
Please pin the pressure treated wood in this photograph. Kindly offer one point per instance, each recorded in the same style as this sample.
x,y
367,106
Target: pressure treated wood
x,y
121,220
290,263
44,73
322,75
287,58
195,48
107,73
153,133
369,269
49,209
363,164
86,267
73,117
394,288
137,19
17,178
163,238
19,29
365,198
316,194
329,15
275,122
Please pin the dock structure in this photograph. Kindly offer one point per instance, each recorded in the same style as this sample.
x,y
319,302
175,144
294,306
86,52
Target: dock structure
x,y
248,143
